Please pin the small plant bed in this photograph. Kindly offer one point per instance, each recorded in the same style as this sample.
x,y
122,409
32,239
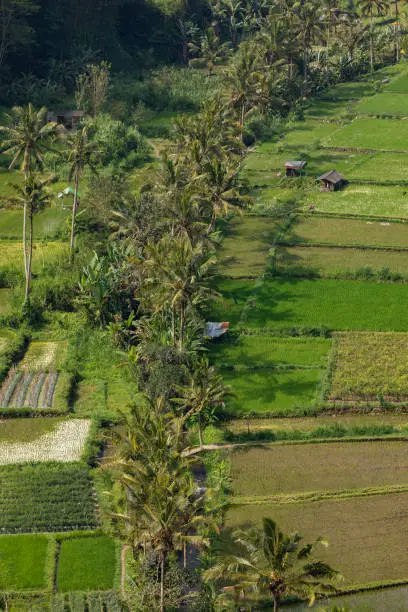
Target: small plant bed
x,y
341,262
46,497
335,304
35,390
87,563
363,200
255,236
353,527
273,392
370,367
22,562
372,134
310,229
264,352
302,468
49,224
66,442
44,356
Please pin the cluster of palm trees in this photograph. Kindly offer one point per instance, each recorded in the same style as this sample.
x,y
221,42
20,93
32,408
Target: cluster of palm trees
x,y
26,134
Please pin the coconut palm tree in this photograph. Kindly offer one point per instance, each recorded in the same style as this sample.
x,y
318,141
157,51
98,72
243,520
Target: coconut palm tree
x,y
33,198
203,393
81,153
273,564
210,50
310,24
369,7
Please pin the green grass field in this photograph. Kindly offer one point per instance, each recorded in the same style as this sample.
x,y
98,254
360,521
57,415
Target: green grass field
x,y
339,261
273,392
264,351
379,167
325,230
349,91
399,84
309,132
234,296
254,235
335,466
26,430
47,225
323,109
370,364
383,104
379,201
355,528
86,564
377,134
336,304
22,562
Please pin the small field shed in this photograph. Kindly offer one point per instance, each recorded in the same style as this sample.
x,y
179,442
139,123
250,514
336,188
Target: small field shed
x,y
331,181
295,168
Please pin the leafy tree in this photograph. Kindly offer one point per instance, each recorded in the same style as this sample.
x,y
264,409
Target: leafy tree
x,y
33,198
200,397
81,153
92,87
210,50
15,32
369,7
273,564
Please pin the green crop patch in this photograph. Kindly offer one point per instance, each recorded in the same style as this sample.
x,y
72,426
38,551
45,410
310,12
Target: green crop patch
x,y
327,109
379,201
383,104
22,562
354,528
46,497
264,351
35,390
299,468
43,356
86,564
233,298
5,295
26,430
48,224
6,336
370,366
380,168
399,84
272,392
350,91
377,134
245,246
337,261
44,254
311,229
336,304
309,132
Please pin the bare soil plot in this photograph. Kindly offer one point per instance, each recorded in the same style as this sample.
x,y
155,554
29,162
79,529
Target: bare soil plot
x,y
334,466
325,230
355,528
370,365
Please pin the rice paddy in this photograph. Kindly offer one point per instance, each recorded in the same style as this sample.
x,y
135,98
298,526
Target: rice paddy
x,y
376,134
364,200
44,254
86,564
49,224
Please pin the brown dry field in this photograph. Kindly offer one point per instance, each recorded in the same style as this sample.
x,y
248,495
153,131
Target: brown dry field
x,y
333,466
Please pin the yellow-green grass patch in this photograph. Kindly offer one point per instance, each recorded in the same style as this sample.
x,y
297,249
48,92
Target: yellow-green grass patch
x,y
352,232
26,430
268,391
86,564
356,529
44,254
377,134
379,201
369,366
6,336
265,351
282,469
22,562
245,246
5,296
43,356
338,261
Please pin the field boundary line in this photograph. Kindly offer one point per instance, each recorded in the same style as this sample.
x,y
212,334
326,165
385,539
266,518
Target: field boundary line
x,y
316,496
333,245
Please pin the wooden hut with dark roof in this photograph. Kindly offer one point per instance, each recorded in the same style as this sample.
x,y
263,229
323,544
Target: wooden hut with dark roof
x,y
331,181
294,168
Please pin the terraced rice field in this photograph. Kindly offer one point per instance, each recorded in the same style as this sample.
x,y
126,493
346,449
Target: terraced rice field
x,y
364,200
375,134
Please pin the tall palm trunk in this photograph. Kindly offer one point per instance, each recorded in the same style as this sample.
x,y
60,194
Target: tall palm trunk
x,y
371,40
30,257
181,335
397,48
74,208
25,247
162,564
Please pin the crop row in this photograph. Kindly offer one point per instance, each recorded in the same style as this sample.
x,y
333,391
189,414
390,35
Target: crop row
x,y
46,497
28,389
